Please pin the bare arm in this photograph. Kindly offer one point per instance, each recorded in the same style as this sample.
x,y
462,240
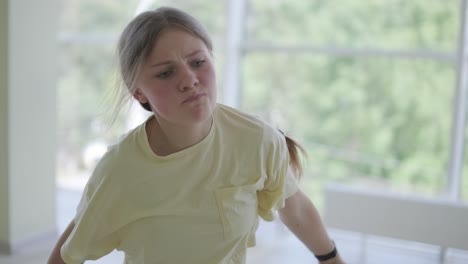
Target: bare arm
x,y
55,257
303,219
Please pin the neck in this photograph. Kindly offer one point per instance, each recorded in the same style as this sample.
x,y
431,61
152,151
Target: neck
x,y
167,138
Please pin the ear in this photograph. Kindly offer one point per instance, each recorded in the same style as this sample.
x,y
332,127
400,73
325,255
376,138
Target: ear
x,y
139,96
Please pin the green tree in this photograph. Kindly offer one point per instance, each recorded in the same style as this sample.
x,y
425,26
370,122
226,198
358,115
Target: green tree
x,y
383,121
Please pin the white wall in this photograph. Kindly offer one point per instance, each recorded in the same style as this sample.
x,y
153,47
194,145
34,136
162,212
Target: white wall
x,y
28,96
4,218
434,221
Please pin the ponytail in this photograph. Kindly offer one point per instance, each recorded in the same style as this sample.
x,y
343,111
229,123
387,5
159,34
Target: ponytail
x,y
295,151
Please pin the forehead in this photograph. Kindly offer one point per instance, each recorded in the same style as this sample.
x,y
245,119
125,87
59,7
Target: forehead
x,y
175,42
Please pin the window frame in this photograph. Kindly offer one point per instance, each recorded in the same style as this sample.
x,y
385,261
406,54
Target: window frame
x,y
238,46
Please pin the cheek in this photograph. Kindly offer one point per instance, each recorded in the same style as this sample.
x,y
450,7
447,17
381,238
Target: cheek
x,y
159,97
208,78
163,98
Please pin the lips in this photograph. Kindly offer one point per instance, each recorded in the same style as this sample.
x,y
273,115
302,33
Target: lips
x,y
193,98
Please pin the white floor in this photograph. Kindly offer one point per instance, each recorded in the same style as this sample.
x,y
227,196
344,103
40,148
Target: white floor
x,y
275,245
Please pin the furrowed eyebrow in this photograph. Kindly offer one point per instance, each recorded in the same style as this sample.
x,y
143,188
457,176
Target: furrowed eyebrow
x,y
169,62
193,53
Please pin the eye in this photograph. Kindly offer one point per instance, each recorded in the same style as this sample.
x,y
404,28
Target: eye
x,y
164,74
198,63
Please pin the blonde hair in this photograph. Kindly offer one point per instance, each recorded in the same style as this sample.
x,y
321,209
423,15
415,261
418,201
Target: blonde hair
x,y
295,151
139,37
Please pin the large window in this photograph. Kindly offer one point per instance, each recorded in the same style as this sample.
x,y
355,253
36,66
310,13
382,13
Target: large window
x,y
367,87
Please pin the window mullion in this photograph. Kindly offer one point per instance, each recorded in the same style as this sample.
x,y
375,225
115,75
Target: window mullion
x,y
455,165
236,16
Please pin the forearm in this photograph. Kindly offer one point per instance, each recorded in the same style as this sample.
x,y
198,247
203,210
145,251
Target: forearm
x,y
303,219
55,257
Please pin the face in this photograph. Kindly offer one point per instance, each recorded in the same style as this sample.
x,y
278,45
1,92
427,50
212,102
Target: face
x,y
178,79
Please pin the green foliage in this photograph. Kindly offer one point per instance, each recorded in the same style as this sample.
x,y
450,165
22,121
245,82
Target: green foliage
x,y
87,71
422,24
90,16
385,122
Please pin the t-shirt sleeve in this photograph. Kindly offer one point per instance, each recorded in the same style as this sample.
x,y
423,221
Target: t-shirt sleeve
x,y
291,184
94,235
280,182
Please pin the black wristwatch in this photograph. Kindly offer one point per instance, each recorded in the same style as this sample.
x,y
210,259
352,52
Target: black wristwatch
x,y
328,256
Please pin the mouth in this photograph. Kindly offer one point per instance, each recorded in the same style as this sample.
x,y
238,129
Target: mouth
x,y
193,98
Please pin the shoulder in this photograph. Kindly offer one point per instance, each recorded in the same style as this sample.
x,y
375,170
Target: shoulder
x,y
114,161
239,120
251,130
233,115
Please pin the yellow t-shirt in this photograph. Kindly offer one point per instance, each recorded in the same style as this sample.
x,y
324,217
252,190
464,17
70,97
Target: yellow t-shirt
x,y
199,205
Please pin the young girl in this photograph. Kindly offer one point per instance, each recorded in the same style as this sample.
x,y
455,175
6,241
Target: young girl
x,y
187,185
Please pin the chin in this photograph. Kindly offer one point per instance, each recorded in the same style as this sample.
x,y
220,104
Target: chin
x,y
202,113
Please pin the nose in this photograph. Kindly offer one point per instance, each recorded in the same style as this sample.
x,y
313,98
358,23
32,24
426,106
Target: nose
x,y
189,79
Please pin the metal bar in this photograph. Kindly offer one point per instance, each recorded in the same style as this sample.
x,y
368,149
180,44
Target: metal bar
x,y
354,52
442,254
87,38
236,14
455,165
